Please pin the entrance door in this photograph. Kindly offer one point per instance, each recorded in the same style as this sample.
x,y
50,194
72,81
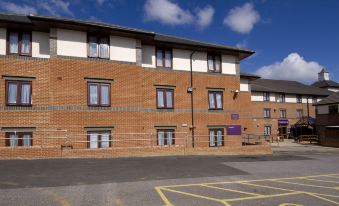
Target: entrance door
x,y
282,132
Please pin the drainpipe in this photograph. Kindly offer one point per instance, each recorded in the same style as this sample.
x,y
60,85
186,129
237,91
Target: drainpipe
x,y
192,105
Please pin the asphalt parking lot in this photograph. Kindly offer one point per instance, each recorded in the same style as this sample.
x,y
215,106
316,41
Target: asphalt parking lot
x,y
289,177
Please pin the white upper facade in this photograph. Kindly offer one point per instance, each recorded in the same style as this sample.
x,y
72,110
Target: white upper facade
x,y
289,98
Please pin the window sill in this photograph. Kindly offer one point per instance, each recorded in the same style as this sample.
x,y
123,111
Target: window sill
x,y
19,105
165,109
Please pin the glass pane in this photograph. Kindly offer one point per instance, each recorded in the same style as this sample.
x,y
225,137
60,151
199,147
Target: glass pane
x,y
170,138
93,94
217,63
210,63
211,100
104,48
160,98
219,137
25,43
93,51
13,140
168,58
93,138
159,58
12,92
161,138
169,99
219,101
25,93
104,94
26,140
105,140
212,139
13,42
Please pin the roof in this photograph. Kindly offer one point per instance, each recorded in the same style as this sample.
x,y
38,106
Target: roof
x,y
288,87
249,76
325,83
332,99
48,21
323,71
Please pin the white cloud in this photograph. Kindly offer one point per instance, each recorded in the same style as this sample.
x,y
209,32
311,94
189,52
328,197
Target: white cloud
x,y
242,44
205,16
242,19
293,67
18,9
101,2
56,7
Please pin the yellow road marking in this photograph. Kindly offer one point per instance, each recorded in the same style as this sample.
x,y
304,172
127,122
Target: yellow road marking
x,y
231,190
262,196
322,198
197,196
269,187
309,185
289,204
163,197
322,180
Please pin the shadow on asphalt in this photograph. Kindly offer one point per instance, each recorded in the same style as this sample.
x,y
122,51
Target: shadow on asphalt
x,y
67,172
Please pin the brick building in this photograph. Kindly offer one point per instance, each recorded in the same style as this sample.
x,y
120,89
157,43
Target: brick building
x,y
94,86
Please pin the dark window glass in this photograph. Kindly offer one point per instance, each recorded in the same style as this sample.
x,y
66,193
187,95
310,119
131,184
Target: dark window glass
x,y
19,43
267,113
267,130
333,109
214,63
216,137
99,139
165,98
283,113
164,58
19,139
18,93
165,137
98,47
99,94
266,96
215,99
299,98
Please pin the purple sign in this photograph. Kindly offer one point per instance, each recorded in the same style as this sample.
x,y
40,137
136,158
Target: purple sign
x,y
283,122
234,116
233,129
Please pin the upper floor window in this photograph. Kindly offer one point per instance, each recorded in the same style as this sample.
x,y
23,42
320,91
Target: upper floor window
x,y
164,57
98,46
99,139
99,94
19,139
165,137
20,43
333,109
266,96
300,113
314,99
18,93
215,100
299,98
267,113
165,98
216,137
283,113
214,63
281,97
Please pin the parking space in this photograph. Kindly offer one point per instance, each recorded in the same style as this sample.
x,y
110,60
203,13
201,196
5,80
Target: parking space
x,y
291,191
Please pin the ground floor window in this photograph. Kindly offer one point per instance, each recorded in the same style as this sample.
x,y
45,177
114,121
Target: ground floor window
x,y
216,137
99,139
165,137
19,139
267,130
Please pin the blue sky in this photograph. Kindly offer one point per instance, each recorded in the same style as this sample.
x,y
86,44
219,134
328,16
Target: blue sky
x,y
292,39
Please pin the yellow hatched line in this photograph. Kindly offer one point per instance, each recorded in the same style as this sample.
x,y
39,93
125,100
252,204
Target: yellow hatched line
x,y
262,196
301,184
321,180
163,197
269,187
197,196
231,190
322,198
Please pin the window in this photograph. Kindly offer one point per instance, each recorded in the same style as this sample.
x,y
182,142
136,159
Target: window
x,y
216,137
267,113
19,139
300,113
165,137
18,93
299,98
283,113
215,99
164,58
20,43
99,139
214,63
333,109
314,99
267,130
165,98
98,47
99,94
266,96
281,97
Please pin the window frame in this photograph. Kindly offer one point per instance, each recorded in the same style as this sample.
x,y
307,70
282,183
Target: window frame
x,y
214,65
266,96
314,99
215,137
284,112
99,133
164,90
282,99
270,129
166,137
267,109
299,98
215,100
20,138
98,42
99,104
302,113
20,34
18,96
163,49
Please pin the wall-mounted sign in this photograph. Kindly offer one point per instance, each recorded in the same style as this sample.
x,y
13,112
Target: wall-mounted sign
x,y
233,129
234,116
283,122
